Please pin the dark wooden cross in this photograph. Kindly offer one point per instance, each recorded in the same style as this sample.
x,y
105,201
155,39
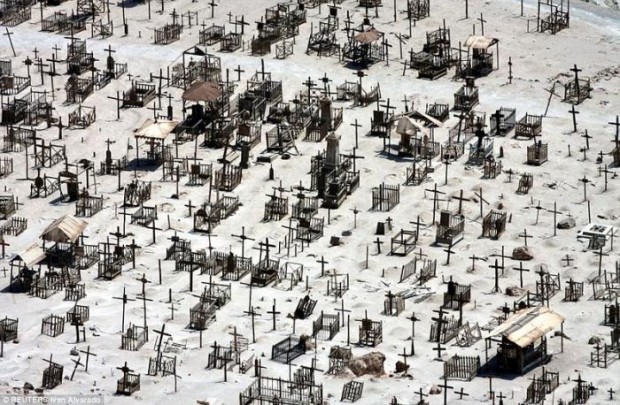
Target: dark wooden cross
x,y
611,394
243,238
125,301
482,21
510,77
574,113
3,244
501,397
585,182
521,269
323,263
576,70
88,354
567,260
357,126
461,393
161,333
421,395
253,314
273,313
118,99
474,259
446,163
435,199
445,388
496,267
144,300
342,310
587,138
460,198
417,224
144,282
449,251
378,242
8,34
213,4
126,370
77,364
525,236
606,172
600,255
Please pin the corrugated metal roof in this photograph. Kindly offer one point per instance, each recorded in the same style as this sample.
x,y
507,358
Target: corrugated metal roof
x,y
527,325
480,42
64,229
31,256
155,130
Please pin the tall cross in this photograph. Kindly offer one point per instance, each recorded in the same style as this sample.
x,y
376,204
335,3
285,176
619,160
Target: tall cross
x,y
161,333
445,388
88,354
496,267
125,301
525,236
243,238
273,313
521,269
482,21
574,113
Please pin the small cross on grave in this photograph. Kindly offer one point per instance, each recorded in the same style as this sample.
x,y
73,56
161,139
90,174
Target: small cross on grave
x,y
521,269
125,301
77,364
161,333
342,310
574,113
525,236
474,259
378,242
273,313
461,393
253,314
496,267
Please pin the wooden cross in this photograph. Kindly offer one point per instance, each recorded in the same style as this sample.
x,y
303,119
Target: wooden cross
x,y
445,387
378,242
521,269
587,138
449,251
213,5
482,200
417,224
460,198
567,259
475,258
461,393
611,394
8,34
357,126
600,255
243,238
501,397
585,182
161,333
118,99
88,354
323,263
482,21
421,396
342,310
253,314
125,300
435,198
574,113
3,244
497,116
144,281
126,370
576,70
446,163
525,236
606,171
496,267
144,300
510,77
273,313
404,355
355,212
77,363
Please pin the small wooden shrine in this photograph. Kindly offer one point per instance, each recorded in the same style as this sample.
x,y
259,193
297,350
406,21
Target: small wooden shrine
x,y
522,340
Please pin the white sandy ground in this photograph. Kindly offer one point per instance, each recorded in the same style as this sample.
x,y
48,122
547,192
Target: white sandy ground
x,y
592,42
